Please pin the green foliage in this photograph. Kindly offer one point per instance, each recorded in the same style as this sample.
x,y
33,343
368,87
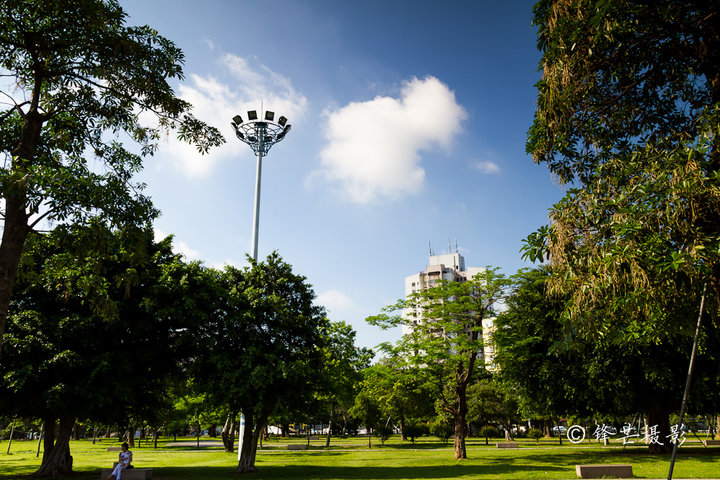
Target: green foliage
x,y
628,112
442,429
554,371
535,433
343,364
265,345
618,76
489,403
415,430
489,432
383,432
263,350
401,391
77,78
367,409
446,337
84,338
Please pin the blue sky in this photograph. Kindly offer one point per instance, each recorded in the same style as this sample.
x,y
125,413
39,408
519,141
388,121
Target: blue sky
x,y
409,121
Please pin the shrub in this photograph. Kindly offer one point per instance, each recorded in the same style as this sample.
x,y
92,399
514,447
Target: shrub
x,y
415,430
441,430
383,432
489,432
535,433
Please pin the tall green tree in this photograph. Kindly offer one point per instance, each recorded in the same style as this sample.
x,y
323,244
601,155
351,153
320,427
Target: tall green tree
x,y
555,372
402,390
343,365
264,352
489,403
533,352
86,338
447,337
628,114
75,77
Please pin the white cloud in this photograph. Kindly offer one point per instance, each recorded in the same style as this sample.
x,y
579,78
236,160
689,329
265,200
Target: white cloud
x,y
185,250
178,246
334,301
226,263
487,167
216,102
373,148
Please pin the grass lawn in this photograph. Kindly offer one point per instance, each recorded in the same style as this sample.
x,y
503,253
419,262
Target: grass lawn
x,y
351,459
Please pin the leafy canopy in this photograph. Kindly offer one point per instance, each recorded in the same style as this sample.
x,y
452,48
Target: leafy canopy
x,y
628,114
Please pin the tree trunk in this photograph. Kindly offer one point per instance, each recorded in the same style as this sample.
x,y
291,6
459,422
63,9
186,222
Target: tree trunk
x,y
460,414
329,432
403,436
459,442
658,416
508,433
15,227
228,433
56,459
246,463
15,232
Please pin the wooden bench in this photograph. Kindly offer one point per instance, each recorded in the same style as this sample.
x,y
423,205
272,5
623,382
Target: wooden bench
x,y
114,449
506,445
710,443
129,474
601,471
297,446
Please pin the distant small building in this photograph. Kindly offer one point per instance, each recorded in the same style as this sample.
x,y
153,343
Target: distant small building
x,y
449,267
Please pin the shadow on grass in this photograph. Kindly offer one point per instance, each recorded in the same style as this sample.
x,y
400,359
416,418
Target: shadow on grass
x,y
316,472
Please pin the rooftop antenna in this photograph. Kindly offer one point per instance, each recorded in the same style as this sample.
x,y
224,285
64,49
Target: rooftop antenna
x,y
431,251
449,246
456,247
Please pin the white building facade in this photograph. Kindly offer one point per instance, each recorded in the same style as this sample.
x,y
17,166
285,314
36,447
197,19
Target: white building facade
x,y
449,267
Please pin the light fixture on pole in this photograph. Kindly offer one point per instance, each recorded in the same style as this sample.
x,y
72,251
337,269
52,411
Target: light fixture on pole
x,y
260,135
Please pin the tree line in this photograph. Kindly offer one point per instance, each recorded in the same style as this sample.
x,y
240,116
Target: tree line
x,y
100,322
110,327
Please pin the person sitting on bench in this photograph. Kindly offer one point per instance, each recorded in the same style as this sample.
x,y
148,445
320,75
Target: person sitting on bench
x,y
124,461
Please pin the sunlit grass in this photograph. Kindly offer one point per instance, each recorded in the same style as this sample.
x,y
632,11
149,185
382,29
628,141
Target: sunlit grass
x,y
352,459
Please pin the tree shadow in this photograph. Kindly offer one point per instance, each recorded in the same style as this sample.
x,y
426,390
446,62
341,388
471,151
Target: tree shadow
x,y
342,472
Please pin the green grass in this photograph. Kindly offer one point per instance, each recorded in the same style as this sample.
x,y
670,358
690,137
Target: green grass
x,y
351,459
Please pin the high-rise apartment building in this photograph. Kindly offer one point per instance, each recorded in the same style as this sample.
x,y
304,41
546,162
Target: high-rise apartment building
x,y
449,267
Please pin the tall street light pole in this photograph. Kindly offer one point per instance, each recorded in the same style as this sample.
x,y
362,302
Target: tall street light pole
x,y
260,135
